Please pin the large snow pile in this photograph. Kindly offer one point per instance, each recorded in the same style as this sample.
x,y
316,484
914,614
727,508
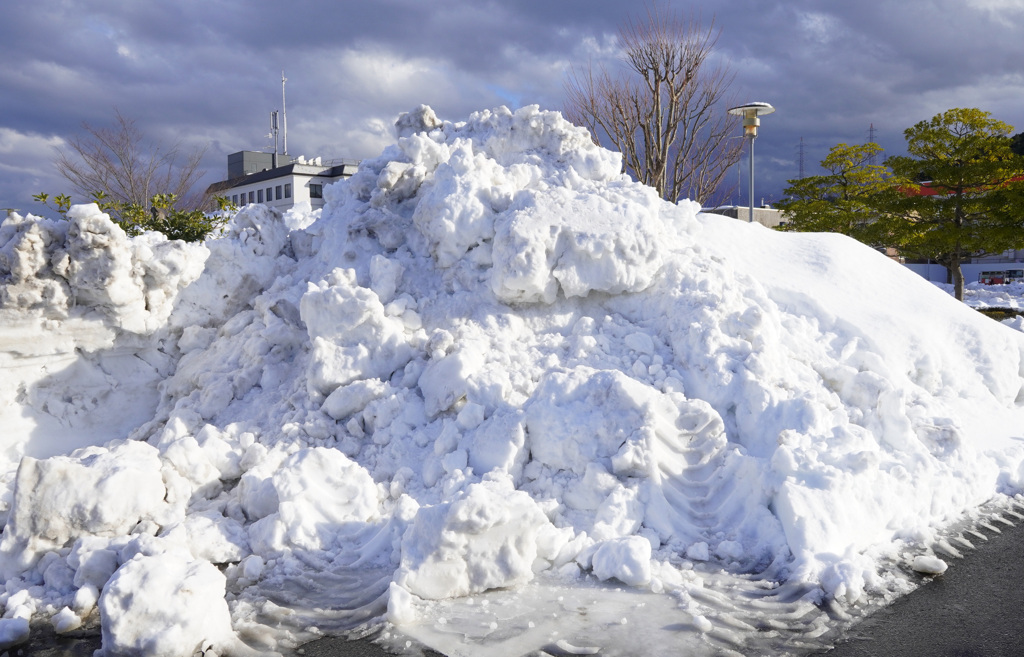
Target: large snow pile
x,y
490,359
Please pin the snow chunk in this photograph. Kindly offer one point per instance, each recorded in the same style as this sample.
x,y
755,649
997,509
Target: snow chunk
x,y
353,336
457,213
215,538
183,609
65,620
929,565
347,399
486,538
61,498
578,243
320,493
27,247
698,552
625,559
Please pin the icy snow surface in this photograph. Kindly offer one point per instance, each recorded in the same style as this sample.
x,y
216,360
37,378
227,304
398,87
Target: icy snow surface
x,y
495,394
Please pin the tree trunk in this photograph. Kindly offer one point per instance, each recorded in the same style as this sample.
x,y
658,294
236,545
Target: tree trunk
x,y
958,278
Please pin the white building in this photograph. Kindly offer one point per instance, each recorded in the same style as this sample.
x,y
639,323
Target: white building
x,y
764,215
254,178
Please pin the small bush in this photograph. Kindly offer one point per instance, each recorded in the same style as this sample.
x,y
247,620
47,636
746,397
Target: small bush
x,y
162,216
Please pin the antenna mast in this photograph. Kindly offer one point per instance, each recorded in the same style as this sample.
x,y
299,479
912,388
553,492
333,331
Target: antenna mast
x,y
284,114
273,133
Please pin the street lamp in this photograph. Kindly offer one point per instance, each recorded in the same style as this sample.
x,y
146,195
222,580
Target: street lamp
x,y
750,113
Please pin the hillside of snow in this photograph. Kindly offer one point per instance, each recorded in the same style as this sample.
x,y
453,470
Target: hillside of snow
x,y
491,362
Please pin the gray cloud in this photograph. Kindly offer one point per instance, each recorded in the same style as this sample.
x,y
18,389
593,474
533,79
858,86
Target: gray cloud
x,y
208,73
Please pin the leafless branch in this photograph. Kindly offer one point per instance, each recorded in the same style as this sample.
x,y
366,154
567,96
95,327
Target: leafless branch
x,y
666,114
119,162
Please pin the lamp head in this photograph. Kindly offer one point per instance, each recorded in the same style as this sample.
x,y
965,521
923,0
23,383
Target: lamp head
x,y
750,113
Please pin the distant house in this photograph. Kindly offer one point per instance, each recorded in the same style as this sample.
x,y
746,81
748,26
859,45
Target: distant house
x,y
255,177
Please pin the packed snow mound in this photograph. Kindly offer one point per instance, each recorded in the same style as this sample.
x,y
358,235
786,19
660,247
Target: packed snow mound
x,y
81,309
50,268
491,358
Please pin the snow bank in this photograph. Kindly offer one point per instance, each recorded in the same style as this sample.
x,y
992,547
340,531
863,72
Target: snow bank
x,y
82,310
490,359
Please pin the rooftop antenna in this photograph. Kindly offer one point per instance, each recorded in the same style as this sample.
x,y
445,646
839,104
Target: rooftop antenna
x,y
273,133
284,114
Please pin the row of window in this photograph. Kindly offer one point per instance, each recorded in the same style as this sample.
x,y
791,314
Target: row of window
x,y
316,190
256,196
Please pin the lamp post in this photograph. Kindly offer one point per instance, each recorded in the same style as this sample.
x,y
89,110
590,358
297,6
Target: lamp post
x,y
750,113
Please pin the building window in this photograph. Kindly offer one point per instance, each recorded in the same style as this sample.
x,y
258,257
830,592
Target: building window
x,y
316,190
259,195
252,197
287,190
270,194
277,193
234,199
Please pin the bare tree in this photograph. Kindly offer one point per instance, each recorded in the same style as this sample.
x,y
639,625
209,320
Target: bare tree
x,y
120,163
665,112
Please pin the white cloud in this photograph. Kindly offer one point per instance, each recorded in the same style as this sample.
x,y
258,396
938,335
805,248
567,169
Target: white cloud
x,y
819,27
1007,12
383,75
26,146
26,168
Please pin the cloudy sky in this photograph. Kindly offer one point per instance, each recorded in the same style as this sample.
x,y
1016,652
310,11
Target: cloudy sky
x,y
207,73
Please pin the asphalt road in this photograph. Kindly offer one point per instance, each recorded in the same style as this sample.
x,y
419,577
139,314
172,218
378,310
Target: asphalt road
x,y
974,609
339,648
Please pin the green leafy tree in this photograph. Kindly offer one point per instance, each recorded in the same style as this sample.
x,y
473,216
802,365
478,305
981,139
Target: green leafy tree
x,y
961,184
844,199
956,195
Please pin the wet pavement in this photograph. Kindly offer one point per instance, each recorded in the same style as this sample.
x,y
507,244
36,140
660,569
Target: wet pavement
x,y
975,609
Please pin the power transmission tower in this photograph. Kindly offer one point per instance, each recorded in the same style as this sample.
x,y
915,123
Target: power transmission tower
x,y
871,140
800,151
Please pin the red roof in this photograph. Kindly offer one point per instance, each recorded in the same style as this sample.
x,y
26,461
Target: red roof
x,y
926,189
